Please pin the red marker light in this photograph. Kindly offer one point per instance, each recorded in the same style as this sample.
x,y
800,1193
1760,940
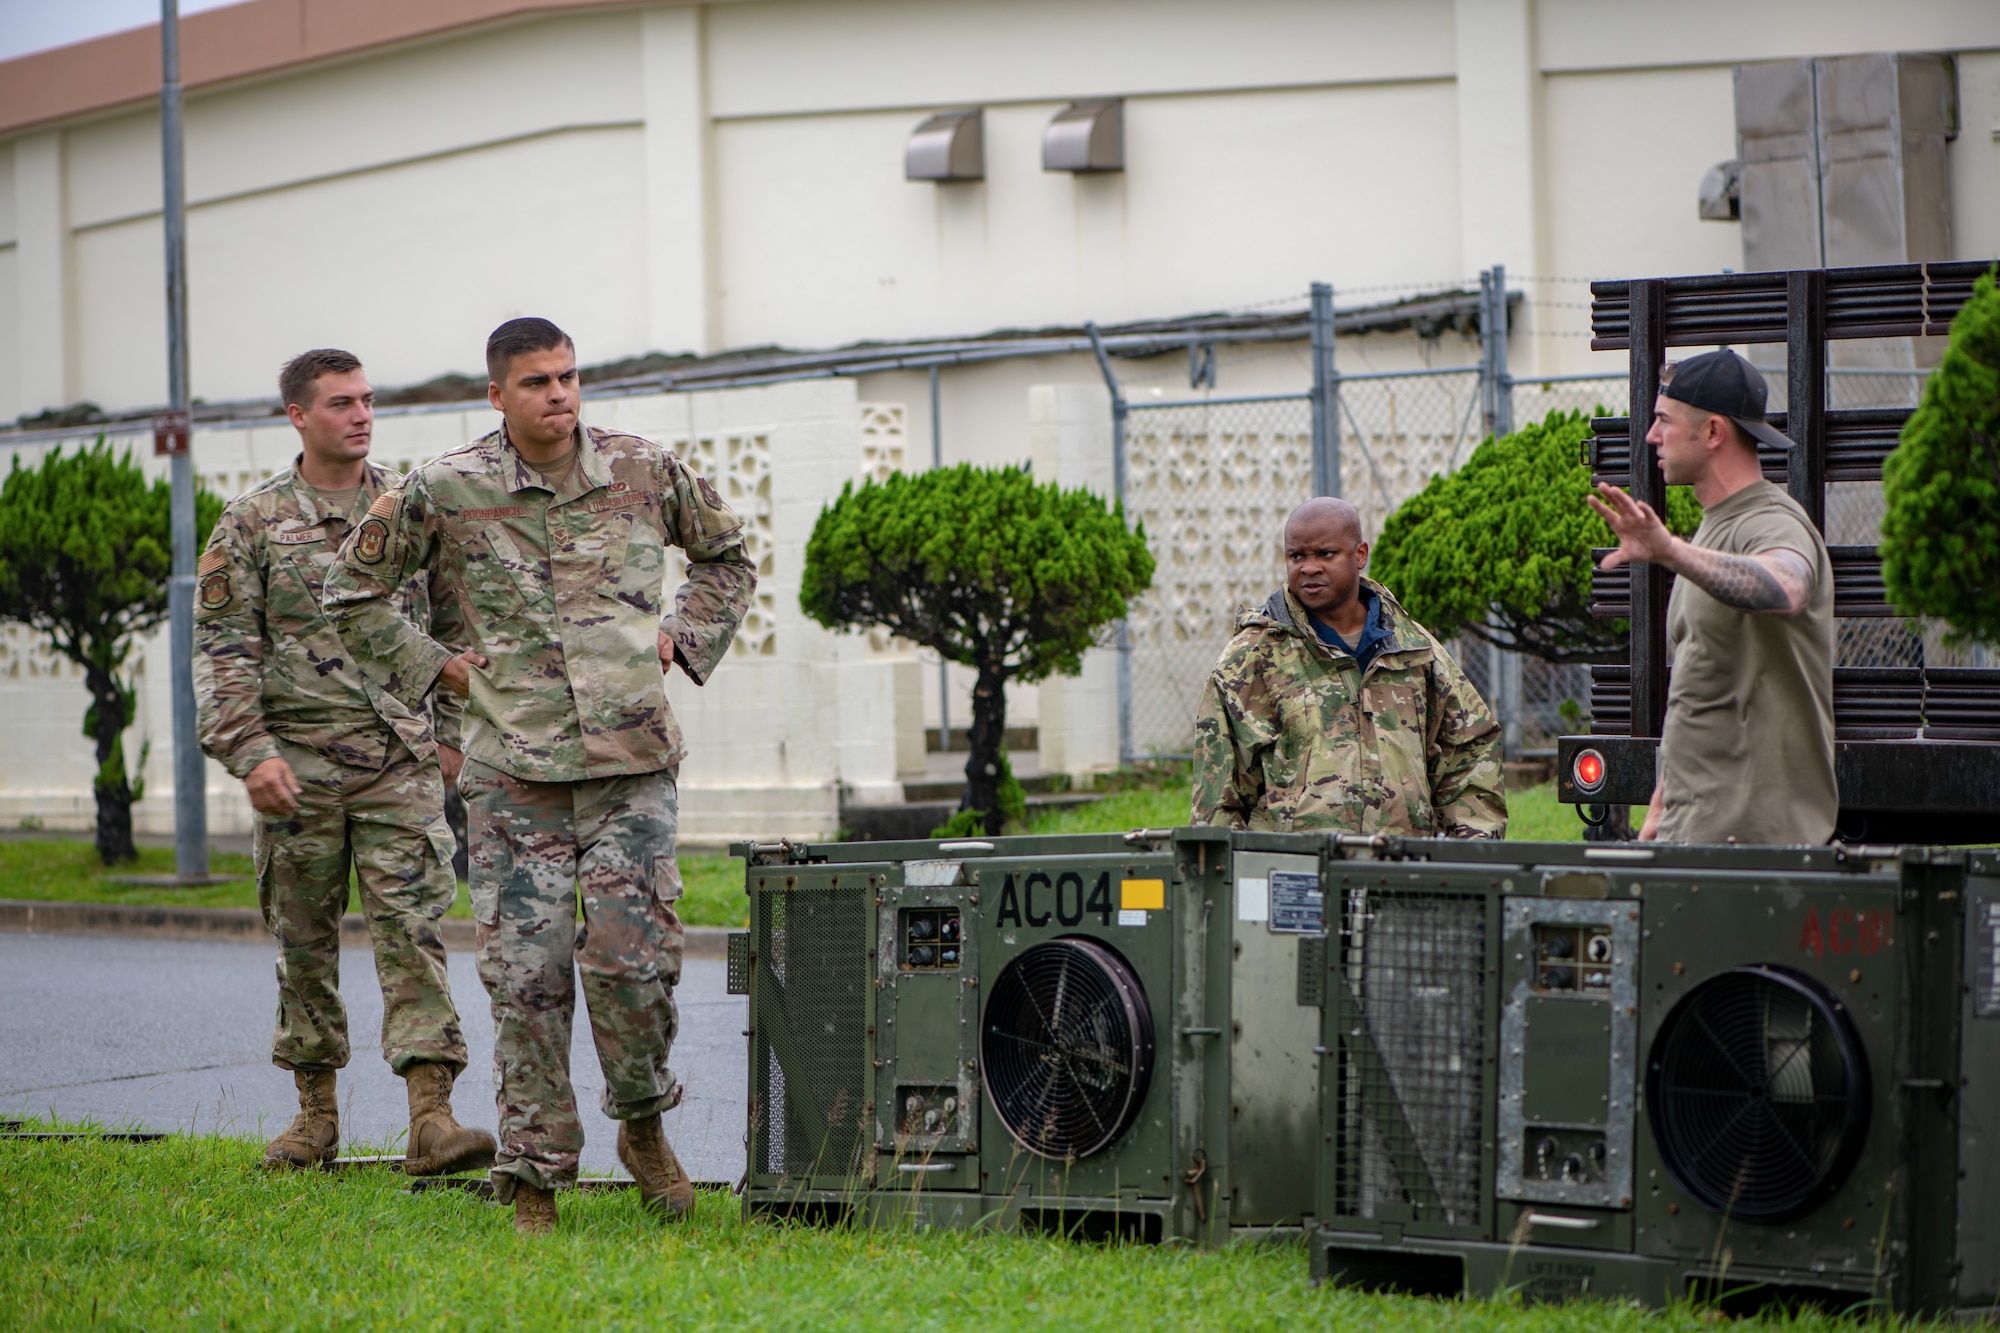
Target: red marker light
x,y
1589,770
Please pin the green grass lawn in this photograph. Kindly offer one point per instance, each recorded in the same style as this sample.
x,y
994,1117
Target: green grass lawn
x,y
67,870
1533,815
190,1233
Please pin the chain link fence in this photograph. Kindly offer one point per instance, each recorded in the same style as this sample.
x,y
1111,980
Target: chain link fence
x,y
1213,479
1212,483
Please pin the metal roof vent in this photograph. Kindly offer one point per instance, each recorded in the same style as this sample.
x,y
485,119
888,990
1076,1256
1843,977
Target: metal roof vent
x,y
950,146
1086,136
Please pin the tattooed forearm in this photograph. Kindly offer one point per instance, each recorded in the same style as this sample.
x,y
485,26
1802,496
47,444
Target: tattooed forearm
x,y
1777,584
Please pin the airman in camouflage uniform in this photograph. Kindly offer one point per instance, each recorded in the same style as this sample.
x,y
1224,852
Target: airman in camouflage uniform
x,y
554,547
343,771
1295,734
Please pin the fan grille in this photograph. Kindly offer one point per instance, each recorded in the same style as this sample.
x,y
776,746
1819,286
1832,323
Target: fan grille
x,y
1758,1093
1067,1047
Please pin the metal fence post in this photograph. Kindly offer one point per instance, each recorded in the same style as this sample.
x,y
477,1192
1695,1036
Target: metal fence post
x,y
1118,414
190,769
944,667
1496,385
1325,394
1496,393
1503,382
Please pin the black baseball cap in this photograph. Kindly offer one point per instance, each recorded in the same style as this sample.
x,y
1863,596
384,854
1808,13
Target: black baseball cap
x,y
1727,385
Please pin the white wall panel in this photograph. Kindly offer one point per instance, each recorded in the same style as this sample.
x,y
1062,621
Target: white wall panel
x,y
10,333
805,55
120,317
1618,34
1225,198
1613,212
9,224
353,115
410,268
1974,160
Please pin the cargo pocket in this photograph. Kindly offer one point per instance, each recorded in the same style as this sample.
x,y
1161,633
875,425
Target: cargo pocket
x,y
666,889
442,843
666,878
260,851
485,902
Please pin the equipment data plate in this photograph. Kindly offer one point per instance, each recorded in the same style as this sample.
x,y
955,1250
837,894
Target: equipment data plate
x,y
1986,956
1296,904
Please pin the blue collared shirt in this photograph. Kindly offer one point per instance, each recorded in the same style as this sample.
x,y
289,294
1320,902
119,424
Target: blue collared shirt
x,y
1372,633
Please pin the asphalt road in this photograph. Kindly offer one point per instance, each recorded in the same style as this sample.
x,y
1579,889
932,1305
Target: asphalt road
x,y
176,1035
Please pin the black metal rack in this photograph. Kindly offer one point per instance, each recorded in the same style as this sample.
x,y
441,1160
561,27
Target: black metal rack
x,y
1918,749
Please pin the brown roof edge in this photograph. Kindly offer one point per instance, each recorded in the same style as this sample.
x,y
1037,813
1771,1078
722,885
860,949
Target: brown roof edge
x,y
234,42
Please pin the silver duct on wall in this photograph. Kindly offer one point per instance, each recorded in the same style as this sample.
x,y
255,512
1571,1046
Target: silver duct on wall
x,y
1841,160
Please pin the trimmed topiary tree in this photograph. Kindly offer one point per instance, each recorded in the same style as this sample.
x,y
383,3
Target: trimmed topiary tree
x,y
1500,549
86,547
1941,485
984,567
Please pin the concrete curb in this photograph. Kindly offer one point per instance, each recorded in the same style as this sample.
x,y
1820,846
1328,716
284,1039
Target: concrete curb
x,y
20,917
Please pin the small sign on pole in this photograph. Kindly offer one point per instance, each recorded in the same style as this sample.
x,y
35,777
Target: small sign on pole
x,y
170,433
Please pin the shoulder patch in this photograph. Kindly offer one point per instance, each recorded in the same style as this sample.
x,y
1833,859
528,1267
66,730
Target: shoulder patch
x,y
385,504
215,590
708,494
212,559
371,540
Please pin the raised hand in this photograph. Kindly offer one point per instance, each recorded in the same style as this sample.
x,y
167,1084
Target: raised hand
x,y
1642,536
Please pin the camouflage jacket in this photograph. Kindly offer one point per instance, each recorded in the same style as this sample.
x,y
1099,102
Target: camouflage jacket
x,y
1292,736
562,593
269,664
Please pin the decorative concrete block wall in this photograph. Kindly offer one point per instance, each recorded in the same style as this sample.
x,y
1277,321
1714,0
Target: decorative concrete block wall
x,y
793,716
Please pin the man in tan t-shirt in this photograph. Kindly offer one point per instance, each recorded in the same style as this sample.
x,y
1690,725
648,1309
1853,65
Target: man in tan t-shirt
x,y
1747,752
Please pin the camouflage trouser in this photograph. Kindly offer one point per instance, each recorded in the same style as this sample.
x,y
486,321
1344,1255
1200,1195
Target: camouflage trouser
x,y
389,825
535,845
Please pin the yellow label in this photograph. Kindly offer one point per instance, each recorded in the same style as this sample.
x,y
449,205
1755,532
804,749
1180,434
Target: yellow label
x,y
1143,895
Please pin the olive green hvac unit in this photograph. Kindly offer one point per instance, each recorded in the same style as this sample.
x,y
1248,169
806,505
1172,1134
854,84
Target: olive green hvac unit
x,y
1050,1033
1655,1072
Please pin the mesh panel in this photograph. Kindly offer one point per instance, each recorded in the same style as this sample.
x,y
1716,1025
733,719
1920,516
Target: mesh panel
x,y
812,958
1396,434
1605,396
1407,1091
1212,484
1552,700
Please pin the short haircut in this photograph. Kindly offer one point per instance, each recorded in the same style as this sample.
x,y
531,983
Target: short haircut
x,y
1701,414
519,336
298,382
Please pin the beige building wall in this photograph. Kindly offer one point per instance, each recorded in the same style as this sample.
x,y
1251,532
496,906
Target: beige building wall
x,y
700,177
689,177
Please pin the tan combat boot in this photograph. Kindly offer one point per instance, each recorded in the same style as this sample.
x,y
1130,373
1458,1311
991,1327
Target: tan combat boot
x,y
314,1134
645,1152
438,1144
534,1210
